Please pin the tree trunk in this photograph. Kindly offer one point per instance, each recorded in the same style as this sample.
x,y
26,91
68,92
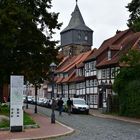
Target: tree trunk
x,y
35,98
1,92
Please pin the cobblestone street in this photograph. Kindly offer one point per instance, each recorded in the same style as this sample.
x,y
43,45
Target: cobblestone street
x,y
89,127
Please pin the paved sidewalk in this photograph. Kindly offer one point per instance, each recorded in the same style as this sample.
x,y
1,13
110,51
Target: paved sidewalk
x,y
45,131
98,113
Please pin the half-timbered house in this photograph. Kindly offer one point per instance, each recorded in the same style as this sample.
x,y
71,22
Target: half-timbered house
x,y
108,62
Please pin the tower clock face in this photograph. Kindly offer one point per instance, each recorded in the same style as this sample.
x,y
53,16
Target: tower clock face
x,y
86,38
82,36
79,36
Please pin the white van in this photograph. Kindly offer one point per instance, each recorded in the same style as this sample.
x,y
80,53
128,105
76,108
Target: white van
x,y
79,105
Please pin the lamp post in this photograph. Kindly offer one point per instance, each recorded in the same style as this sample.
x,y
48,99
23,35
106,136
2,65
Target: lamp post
x,y
35,110
53,67
27,93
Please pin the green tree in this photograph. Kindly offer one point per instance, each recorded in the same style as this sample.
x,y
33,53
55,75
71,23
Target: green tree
x,y
127,84
134,20
25,49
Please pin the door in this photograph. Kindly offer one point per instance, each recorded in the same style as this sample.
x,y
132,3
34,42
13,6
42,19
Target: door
x,y
100,99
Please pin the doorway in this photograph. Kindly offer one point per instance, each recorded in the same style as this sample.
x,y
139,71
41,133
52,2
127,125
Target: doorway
x,y
100,99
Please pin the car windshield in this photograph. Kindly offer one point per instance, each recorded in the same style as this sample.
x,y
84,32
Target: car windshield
x,y
79,102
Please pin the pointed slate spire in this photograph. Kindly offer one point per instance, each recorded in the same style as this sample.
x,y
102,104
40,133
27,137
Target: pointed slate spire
x,y
76,21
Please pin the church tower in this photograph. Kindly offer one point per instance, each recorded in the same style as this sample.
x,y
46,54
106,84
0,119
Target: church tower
x,y
76,37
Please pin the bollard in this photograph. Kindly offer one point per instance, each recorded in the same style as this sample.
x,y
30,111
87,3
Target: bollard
x,y
53,117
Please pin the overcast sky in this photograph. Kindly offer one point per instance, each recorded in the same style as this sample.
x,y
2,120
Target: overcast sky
x,y
104,17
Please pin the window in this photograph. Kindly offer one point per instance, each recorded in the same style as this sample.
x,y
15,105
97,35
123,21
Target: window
x,y
87,83
79,72
87,66
58,75
91,83
109,54
108,73
72,88
95,99
95,82
77,86
93,65
91,100
61,74
103,73
65,75
59,89
112,72
80,85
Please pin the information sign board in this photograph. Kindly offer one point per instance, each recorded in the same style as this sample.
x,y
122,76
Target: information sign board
x,y
16,103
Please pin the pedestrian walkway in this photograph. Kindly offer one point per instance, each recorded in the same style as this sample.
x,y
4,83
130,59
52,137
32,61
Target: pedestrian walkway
x,y
98,113
46,129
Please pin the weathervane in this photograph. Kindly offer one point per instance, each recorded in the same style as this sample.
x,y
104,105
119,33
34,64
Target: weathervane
x,y
76,1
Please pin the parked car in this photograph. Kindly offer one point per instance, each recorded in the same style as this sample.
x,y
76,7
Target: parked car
x,y
80,106
48,103
40,101
24,98
29,99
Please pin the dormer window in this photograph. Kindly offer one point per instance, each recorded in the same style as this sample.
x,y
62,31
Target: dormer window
x,y
109,54
65,75
79,72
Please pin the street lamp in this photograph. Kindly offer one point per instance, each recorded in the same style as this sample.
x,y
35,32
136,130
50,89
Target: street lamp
x,y
53,67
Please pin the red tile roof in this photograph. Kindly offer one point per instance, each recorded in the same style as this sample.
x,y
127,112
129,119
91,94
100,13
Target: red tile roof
x,y
71,62
115,47
80,65
130,42
106,62
72,78
114,44
77,79
59,80
65,80
113,41
92,55
119,44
